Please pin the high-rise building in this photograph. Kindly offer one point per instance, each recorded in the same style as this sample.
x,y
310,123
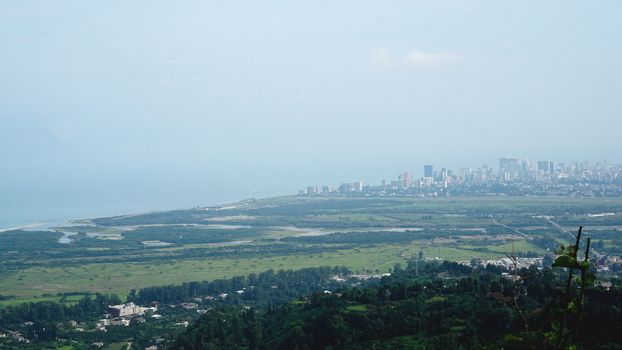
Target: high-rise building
x,y
509,168
428,171
427,181
543,165
525,167
358,186
346,187
407,180
509,164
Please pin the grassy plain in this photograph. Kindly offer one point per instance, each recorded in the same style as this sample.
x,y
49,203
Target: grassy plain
x,y
120,278
464,226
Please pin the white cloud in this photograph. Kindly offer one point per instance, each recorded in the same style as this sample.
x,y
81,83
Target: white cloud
x,y
382,57
418,58
415,58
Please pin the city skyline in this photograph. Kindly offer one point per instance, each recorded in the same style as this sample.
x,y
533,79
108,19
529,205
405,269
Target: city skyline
x,y
508,170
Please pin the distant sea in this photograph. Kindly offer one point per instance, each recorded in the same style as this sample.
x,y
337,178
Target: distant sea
x,y
44,216
37,209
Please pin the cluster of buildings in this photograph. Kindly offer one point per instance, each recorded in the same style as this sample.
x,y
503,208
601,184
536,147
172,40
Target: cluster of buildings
x,y
514,176
124,315
610,264
348,187
128,309
511,264
15,336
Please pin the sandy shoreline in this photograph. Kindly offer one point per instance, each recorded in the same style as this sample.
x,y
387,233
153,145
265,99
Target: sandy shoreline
x,y
23,227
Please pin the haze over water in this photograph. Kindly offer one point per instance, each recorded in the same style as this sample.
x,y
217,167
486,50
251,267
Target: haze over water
x,y
132,107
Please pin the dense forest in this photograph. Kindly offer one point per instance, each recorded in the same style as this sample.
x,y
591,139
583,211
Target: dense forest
x,y
42,318
46,321
261,289
432,306
424,305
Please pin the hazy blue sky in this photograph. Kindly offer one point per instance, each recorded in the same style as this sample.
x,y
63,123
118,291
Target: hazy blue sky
x,y
155,104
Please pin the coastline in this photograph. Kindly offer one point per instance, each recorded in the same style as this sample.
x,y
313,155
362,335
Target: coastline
x,y
22,227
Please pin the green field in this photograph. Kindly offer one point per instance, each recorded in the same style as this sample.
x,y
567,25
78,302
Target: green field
x,y
256,235
120,278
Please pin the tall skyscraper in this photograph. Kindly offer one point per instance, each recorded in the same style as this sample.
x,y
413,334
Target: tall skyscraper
x,y
346,187
543,165
358,186
407,180
509,164
525,166
428,171
509,168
